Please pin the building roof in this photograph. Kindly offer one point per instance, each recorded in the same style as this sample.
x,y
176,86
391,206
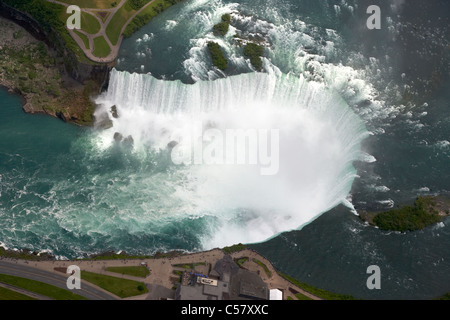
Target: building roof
x,y
234,283
226,265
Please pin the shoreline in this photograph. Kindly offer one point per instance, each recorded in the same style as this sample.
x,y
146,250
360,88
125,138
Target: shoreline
x,y
37,73
162,269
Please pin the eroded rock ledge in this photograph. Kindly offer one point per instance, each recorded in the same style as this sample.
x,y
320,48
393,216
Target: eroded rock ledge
x,y
36,64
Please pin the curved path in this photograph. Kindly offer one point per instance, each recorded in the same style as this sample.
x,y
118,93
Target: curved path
x,y
24,269
114,49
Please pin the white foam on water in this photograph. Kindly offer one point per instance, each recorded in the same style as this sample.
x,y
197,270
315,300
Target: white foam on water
x,y
319,138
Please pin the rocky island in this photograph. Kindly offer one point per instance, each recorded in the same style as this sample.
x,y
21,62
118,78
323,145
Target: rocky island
x,y
425,211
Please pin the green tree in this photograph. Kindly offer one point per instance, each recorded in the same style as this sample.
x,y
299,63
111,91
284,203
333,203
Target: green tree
x,y
254,53
217,55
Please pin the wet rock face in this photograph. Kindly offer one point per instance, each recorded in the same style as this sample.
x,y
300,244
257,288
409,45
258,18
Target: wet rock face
x,y
118,137
114,111
172,144
62,116
129,140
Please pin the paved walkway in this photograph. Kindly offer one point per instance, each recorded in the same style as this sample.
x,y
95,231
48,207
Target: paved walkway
x,y
42,272
162,276
114,49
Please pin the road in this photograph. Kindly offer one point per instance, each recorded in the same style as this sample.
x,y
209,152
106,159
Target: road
x,y
20,270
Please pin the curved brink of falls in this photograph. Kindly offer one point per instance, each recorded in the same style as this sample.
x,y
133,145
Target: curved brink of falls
x,y
319,138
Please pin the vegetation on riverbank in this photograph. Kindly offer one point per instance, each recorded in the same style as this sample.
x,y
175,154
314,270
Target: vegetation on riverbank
x,y
324,294
32,72
445,296
147,14
38,73
234,248
50,17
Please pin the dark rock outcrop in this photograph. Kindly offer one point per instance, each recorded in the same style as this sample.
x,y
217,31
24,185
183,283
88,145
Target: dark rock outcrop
x,y
172,144
129,140
118,136
114,111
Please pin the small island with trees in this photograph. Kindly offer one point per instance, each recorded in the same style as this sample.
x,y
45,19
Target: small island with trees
x,y
221,28
251,50
425,211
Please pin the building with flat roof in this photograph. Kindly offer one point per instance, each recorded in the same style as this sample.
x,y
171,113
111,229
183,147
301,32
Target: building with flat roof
x,y
225,282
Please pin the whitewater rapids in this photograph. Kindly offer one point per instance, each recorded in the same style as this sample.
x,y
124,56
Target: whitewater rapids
x,y
319,139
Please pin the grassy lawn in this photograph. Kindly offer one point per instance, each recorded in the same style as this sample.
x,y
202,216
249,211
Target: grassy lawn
x,y
89,23
266,269
72,45
6,294
103,15
101,47
136,271
300,296
40,288
55,15
116,24
84,38
120,287
241,261
50,14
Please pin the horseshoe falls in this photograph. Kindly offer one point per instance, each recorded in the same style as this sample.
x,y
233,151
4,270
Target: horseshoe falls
x,y
319,138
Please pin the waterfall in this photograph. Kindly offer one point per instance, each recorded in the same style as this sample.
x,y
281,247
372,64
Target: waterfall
x,y
318,138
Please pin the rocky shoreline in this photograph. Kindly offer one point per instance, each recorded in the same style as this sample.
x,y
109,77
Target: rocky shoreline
x,y
38,73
